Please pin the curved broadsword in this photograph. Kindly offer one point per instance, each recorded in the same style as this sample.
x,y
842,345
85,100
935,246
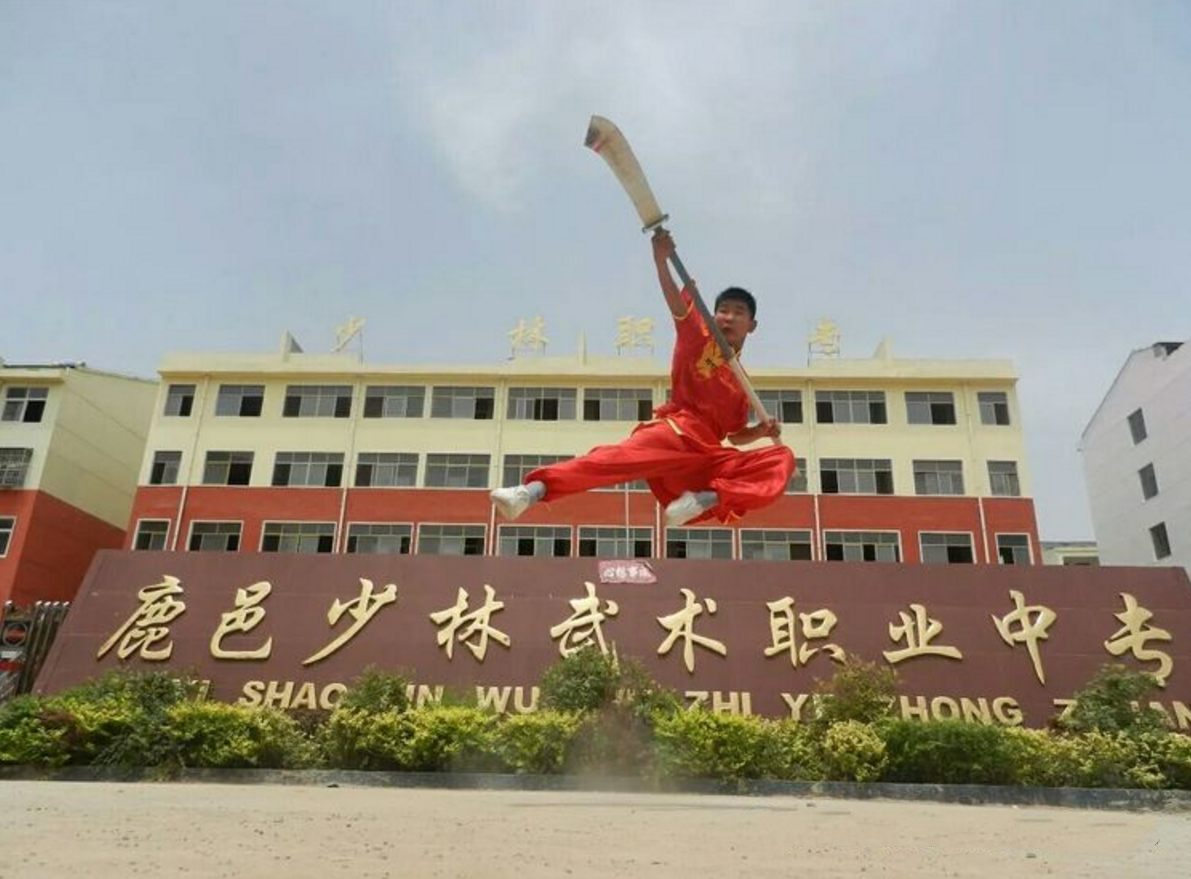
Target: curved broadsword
x,y
606,139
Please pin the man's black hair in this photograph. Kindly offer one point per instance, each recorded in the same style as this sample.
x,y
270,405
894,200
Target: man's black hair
x,y
738,294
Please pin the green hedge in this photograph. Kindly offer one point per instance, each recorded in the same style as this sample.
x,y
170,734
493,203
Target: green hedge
x,y
633,728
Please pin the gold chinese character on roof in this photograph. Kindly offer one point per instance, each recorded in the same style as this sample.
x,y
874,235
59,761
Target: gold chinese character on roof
x,y
824,341
633,332
528,336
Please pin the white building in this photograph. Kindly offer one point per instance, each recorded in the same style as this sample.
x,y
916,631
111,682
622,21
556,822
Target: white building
x,y
1137,462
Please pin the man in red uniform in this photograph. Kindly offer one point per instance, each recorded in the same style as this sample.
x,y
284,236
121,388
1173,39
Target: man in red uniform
x,y
681,453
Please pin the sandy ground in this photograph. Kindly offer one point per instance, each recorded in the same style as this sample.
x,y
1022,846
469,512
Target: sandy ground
x,y
77,830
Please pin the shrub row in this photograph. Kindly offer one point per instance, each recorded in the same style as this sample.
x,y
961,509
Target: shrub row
x,y
597,717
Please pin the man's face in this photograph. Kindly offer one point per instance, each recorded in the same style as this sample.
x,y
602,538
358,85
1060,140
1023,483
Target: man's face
x,y
734,321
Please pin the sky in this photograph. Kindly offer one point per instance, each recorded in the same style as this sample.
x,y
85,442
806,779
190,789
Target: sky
x,y
999,179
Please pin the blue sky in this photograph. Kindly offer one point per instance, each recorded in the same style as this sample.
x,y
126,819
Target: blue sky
x,y
971,179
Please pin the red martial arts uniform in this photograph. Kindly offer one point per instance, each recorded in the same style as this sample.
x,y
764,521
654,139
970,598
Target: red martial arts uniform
x,y
682,449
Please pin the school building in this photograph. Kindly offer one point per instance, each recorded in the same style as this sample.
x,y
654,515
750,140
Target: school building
x,y
900,460
71,444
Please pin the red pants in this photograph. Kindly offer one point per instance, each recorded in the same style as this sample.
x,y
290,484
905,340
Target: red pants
x,y
673,464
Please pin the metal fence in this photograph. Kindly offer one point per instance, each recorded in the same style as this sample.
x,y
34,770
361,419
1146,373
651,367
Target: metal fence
x,y
25,638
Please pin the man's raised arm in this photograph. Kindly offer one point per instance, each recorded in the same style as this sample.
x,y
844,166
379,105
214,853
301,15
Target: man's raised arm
x,y
663,247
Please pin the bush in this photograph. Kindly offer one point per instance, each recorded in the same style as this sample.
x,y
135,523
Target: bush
x,y
1114,701
795,752
28,738
852,751
586,680
947,752
708,745
865,692
535,743
448,739
1043,759
616,740
1172,754
216,735
375,691
357,739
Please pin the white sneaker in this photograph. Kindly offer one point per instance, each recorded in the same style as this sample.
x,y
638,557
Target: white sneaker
x,y
511,501
681,511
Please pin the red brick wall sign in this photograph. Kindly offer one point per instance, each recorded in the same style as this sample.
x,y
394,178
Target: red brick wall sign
x,y
999,644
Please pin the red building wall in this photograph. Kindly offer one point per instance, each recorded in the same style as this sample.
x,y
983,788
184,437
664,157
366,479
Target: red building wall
x,y
906,515
51,547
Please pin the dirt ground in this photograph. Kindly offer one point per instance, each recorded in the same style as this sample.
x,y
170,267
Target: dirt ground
x,y
75,830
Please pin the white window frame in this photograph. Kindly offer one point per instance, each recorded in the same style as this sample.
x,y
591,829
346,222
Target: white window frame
x,y
11,528
915,400
935,476
502,530
348,537
487,471
901,555
971,545
16,403
318,401
1029,545
395,400
226,484
701,530
744,533
480,525
136,532
185,400
1015,476
239,393
396,466
305,462
14,473
455,398
239,534
617,401
265,529
635,532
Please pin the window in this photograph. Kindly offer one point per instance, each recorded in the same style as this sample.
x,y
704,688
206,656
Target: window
x,y
930,408
451,539
775,545
324,469
946,549
615,543
14,467
298,537
542,404
394,401
536,541
938,477
24,404
1002,479
1161,541
228,468
214,537
474,403
850,407
797,483
457,471
243,401
379,539
785,406
635,485
179,400
517,467
1149,481
317,401
151,534
1013,549
7,525
856,475
698,543
165,468
386,469
994,407
862,546
617,404
1137,426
